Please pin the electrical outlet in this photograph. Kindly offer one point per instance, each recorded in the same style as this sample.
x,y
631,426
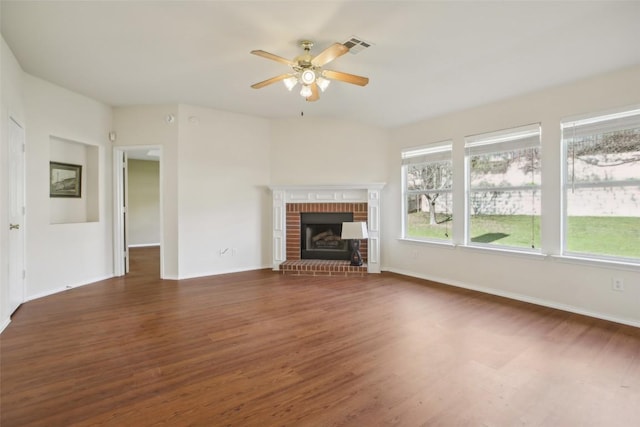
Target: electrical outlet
x,y
225,252
617,284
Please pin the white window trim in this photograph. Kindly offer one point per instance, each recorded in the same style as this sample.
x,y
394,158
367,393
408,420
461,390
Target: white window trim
x,y
521,135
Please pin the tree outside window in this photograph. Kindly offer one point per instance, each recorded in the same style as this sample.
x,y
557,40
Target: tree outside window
x,y
428,177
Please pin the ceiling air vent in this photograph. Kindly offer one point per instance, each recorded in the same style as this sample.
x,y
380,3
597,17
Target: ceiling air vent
x,y
356,44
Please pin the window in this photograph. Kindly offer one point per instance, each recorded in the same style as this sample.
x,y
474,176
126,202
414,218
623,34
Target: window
x,y
427,174
602,186
503,188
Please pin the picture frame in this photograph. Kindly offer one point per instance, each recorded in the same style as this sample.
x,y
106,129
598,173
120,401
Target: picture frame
x,y
65,180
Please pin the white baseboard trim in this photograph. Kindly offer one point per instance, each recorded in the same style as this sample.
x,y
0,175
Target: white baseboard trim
x,y
66,288
144,245
219,272
519,297
4,324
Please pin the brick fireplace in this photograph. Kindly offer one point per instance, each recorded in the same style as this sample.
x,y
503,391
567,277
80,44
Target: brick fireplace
x,y
294,210
289,202
295,265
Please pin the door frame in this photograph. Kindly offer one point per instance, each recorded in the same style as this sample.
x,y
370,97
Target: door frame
x,y
119,196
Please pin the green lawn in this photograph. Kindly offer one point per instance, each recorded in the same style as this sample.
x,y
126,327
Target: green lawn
x,y
418,226
615,236
604,235
522,231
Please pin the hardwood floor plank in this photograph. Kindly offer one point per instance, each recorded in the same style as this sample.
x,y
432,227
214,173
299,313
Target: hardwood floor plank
x,y
260,349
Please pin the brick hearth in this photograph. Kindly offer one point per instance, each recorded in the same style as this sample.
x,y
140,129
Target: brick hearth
x,y
319,267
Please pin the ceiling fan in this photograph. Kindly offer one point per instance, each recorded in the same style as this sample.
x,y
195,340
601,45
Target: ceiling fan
x,y
307,70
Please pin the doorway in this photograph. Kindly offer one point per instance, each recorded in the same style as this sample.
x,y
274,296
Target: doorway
x,y
138,217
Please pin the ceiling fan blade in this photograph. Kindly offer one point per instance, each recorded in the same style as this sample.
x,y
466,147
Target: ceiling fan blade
x,y
270,81
346,77
315,94
273,57
329,54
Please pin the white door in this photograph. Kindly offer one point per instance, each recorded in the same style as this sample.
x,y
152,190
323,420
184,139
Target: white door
x,y
121,226
16,216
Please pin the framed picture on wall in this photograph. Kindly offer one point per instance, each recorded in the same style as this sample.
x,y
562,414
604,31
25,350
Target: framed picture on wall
x,y
65,180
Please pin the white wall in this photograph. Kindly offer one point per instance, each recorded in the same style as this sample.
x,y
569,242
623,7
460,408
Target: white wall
x,y
224,202
144,202
62,255
214,172
579,287
148,126
324,151
11,99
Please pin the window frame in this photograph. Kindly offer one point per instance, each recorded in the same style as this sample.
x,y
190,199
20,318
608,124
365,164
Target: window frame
x,y
569,123
431,153
501,138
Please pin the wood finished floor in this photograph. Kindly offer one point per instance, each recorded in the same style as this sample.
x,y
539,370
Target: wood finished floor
x,y
264,349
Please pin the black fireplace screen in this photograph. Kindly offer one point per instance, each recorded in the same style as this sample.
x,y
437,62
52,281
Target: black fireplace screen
x,y
320,235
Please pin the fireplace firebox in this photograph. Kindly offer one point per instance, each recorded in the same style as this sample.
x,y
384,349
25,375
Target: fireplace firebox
x,y
320,235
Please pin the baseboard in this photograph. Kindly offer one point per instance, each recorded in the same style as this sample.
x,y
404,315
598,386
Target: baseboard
x,y
145,245
519,297
4,324
219,272
66,288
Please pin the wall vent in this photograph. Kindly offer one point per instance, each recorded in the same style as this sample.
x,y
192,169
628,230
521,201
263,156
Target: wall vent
x,y
356,44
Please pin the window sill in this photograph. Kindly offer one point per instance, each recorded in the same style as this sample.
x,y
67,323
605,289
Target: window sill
x,y
567,259
505,251
484,249
594,262
439,243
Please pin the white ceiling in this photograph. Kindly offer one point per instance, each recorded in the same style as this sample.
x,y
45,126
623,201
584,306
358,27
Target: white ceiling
x,y
428,58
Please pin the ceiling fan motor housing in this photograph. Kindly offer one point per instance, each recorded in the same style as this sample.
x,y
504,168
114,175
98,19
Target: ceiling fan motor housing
x,y
304,61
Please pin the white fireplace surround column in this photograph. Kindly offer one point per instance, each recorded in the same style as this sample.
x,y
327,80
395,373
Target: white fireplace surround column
x,y
347,193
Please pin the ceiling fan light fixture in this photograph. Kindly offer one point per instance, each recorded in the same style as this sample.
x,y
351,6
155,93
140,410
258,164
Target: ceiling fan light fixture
x,y
308,76
290,82
308,70
305,92
323,83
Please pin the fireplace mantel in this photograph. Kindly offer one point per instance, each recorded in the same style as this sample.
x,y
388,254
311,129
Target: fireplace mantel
x,y
344,193
326,193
